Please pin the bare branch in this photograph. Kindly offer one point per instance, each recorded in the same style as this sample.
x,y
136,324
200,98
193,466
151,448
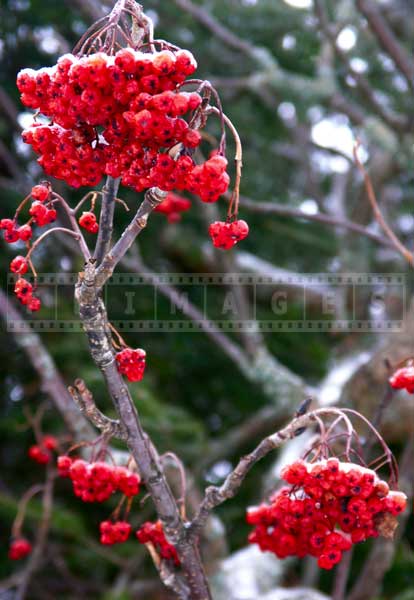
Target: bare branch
x,y
103,242
84,400
378,214
391,119
272,208
152,198
93,315
37,555
42,362
387,39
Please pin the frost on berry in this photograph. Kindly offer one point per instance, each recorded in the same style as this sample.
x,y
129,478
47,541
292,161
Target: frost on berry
x,y
119,116
327,507
19,548
131,363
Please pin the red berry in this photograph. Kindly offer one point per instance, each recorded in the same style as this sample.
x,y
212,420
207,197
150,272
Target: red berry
x,y
88,221
131,363
19,548
226,235
19,265
49,442
403,379
34,304
25,233
40,192
39,455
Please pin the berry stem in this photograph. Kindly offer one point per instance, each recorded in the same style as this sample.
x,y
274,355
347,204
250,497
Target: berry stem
x,y
48,232
238,159
22,506
369,188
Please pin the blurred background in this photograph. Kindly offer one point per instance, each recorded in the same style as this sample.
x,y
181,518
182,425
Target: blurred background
x,y
301,81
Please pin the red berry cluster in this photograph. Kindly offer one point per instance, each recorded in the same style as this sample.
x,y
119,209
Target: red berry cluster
x,y
120,116
131,363
24,292
115,532
329,507
19,548
13,233
225,235
153,533
403,379
87,220
41,214
97,481
41,453
173,206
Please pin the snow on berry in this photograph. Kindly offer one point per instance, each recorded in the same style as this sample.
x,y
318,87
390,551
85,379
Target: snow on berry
x,y
131,363
403,379
225,235
88,221
19,548
119,116
114,532
153,533
328,507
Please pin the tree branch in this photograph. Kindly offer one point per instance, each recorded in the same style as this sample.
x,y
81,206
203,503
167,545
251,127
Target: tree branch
x,y
387,39
152,198
50,379
103,242
95,323
84,400
217,495
272,208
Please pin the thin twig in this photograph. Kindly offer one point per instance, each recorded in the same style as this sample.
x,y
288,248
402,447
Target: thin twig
x,y
399,246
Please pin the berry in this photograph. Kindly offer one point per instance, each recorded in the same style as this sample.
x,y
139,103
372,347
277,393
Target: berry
x,y
25,233
116,116
97,481
34,304
7,224
114,532
403,379
11,236
63,464
40,192
322,513
88,221
19,265
226,235
153,533
23,290
172,206
39,455
19,548
49,442
131,363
